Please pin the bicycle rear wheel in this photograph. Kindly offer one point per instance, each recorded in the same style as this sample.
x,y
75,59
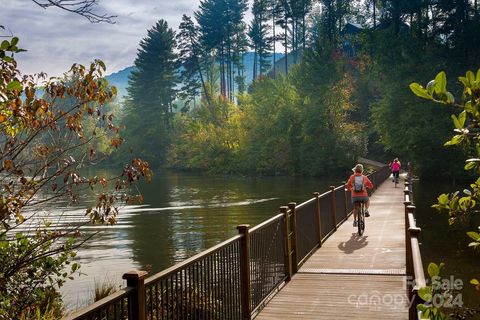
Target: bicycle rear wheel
x,y
361,219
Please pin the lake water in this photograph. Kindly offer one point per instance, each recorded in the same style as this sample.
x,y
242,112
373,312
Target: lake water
x,y
184,214
448,244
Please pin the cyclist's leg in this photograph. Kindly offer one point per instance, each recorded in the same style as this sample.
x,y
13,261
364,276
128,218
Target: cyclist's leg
x,y
356,210
367,204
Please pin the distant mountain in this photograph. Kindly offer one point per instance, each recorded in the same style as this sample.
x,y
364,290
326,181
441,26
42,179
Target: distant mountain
x,y
120,79
248,59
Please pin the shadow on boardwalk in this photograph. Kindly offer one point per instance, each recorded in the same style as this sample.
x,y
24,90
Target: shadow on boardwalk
x,y
353,244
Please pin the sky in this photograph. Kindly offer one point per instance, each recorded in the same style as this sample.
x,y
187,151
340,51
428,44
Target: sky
x,y
55,39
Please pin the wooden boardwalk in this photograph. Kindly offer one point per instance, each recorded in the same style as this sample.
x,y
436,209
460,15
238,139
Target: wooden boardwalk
x,y
352,277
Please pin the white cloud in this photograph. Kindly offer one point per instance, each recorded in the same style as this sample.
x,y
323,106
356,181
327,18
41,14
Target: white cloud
x,y
55,39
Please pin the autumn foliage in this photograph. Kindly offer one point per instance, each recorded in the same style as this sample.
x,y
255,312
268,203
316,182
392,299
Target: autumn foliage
x,y
48,133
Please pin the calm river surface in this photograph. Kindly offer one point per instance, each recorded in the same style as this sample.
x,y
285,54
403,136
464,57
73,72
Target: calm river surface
x,y
184,214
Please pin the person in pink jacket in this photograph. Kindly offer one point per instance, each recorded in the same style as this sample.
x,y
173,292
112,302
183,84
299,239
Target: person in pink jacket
x,y
358,184
395,166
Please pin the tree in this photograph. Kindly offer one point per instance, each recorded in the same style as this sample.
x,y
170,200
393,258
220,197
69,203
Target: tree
x,y
81,7
191,60
151,92
44,144
261,42
220,23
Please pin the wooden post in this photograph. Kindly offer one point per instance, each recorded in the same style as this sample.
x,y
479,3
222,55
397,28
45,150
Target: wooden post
x,y
288,260
333,210
243,230
136,279
346,199
293,228
319,221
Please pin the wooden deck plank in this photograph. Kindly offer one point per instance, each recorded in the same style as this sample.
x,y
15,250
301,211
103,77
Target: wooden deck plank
x,y
351,276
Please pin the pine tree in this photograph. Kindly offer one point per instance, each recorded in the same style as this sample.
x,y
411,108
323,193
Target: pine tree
x,y
191,61
220,21
261,42
151,92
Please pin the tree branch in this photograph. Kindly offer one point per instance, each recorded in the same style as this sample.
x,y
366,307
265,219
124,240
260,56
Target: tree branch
x,y
81,7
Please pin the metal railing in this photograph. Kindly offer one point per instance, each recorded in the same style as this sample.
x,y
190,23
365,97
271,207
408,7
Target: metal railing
x,y
115,306
206,286
236,278
414,266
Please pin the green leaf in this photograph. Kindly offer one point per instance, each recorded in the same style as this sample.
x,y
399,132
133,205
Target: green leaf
x,y
14,85
456,122
431,87
443,198
464,81
454,141
433,270
420,91
102,65
441,83
478,75
14,41
425,293
450,98
462,117
470,78
5,45
470,166
474,235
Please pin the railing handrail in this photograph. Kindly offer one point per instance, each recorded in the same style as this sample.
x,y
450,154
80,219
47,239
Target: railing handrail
x,y
266,222
305,203
190,261
120,294
414,265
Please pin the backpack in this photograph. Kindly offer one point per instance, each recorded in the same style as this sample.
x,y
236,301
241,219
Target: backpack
x,y
358,184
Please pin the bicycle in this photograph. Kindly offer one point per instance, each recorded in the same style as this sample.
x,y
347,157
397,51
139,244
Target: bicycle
x,y
395,179
360,209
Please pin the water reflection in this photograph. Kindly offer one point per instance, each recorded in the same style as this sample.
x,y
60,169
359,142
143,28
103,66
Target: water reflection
x,y
183,214
443,243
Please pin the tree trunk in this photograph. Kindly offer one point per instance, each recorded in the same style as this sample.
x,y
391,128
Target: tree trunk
x,y
274,42
255,63
222,73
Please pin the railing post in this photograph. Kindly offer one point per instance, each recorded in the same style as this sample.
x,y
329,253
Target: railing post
x,y
346,199
288,260
333,206
293,227
243,230
408,187
136,303
319,221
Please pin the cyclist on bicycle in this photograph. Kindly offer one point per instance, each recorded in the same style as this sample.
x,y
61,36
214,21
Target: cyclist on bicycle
x,y
395,167
358,185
